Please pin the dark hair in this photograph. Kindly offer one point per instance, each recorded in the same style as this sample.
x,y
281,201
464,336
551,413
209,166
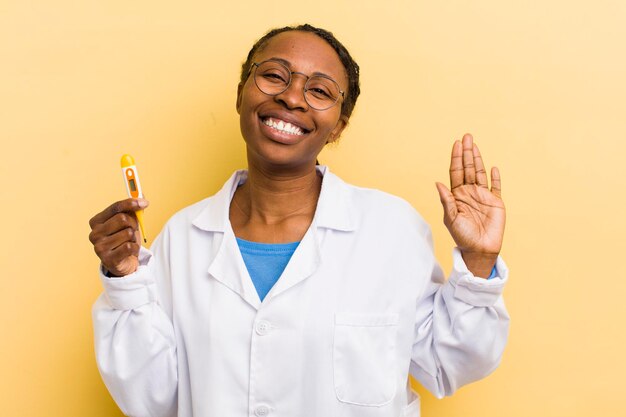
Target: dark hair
x,y
351,67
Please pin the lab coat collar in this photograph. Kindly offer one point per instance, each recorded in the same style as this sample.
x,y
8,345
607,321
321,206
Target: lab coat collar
x,y
332,212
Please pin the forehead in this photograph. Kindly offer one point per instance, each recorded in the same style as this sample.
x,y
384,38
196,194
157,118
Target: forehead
x,y
306,52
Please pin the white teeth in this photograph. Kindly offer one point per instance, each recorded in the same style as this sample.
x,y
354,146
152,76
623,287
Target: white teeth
x,y
283,126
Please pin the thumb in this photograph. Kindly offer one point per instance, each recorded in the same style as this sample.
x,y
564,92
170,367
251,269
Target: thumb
x,y
448,202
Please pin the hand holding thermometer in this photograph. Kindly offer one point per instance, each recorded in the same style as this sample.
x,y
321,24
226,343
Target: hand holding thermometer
x,y
133,187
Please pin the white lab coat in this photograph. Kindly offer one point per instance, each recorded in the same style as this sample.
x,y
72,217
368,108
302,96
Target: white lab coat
x,y
361,304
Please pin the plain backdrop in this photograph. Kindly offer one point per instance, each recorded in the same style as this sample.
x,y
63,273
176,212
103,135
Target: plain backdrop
x,y
540,84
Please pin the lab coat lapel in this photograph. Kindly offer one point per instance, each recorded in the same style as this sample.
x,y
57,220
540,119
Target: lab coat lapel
x,y
227,265
332,212
229,269
303,263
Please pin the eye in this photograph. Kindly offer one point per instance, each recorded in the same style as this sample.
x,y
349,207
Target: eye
x,y
274,76
319,92
273,73
322,88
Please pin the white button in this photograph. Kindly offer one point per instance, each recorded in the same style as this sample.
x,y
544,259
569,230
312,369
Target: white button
x,y
263,327
261,411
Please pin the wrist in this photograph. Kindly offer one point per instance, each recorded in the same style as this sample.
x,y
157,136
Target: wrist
x,y
479,264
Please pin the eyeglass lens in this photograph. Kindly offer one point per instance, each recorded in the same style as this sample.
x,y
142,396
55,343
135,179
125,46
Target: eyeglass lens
x,y
272,78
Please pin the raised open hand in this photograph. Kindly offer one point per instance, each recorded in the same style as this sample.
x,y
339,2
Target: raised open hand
x,y
473,213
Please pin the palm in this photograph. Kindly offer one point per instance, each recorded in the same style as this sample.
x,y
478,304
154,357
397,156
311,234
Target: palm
x,y
479,222
473,213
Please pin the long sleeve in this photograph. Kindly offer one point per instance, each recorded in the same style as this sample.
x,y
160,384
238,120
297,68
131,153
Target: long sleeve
x,y
134,337
461,328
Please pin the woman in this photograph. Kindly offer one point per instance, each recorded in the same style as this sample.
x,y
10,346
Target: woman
x,y
202,325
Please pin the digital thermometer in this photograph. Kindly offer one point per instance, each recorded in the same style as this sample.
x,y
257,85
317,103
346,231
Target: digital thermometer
x,y
133,186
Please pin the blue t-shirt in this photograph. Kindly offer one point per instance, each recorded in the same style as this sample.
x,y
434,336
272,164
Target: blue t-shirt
x,y
265,262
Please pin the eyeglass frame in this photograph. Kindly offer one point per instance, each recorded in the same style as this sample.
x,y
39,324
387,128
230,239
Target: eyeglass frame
x,y
256,65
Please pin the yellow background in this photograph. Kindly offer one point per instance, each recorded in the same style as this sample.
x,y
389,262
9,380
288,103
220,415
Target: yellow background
x,y
540,84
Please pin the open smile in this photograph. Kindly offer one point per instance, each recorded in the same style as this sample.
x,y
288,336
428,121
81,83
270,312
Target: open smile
x,y
284,126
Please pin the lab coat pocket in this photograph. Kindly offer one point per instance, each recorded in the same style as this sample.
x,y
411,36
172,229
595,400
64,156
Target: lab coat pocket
x,y
364,358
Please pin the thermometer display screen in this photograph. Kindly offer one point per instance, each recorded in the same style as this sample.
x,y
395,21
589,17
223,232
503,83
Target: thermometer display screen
x,y
132,185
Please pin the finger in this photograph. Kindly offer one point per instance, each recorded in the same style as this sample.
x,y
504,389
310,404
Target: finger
x,y
111,248
121,221
122,206
108,244
138,239
456,166
448,202
496,183
121,254
481,174
468,159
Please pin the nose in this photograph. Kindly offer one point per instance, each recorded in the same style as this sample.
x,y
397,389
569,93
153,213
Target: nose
x,y
293,96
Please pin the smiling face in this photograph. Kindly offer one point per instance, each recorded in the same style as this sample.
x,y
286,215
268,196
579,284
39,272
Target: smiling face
x,y
282,130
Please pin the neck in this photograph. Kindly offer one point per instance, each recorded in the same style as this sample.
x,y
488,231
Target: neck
x,y
271,198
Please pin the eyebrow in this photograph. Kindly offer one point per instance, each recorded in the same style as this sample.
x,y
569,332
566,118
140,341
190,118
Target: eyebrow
x,y
288,65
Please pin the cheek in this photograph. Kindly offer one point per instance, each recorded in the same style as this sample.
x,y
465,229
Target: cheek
x,y
247,95
330,121
246,125
248,101
247,118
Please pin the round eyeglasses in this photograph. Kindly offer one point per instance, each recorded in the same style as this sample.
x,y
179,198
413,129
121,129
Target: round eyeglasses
x,y
273,78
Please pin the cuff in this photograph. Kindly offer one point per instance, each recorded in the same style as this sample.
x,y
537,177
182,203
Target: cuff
x,y
473,290
133,290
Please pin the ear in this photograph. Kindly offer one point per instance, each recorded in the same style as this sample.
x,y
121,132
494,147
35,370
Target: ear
x,y
339,127
239,91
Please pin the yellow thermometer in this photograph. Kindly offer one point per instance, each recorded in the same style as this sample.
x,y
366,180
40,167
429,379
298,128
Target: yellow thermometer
x,y
133,186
